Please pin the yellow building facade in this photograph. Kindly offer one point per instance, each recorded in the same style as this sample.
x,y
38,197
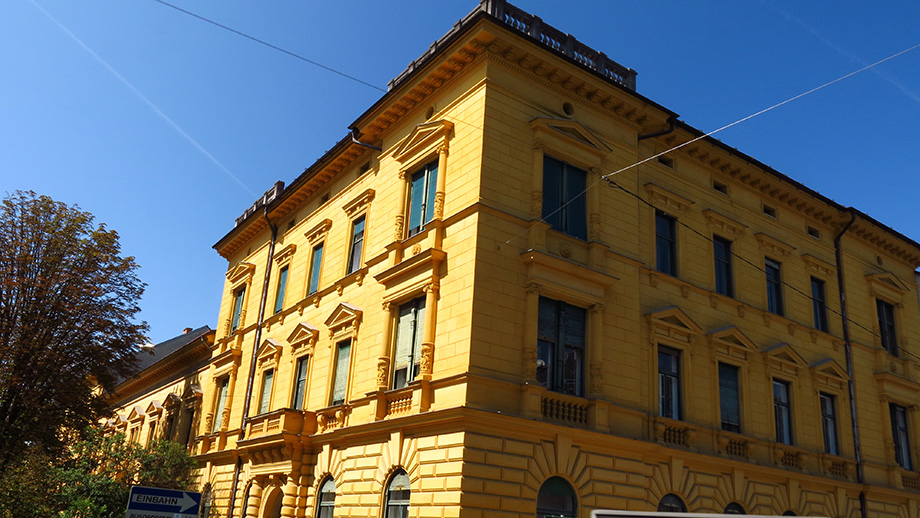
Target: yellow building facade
x,y
499,297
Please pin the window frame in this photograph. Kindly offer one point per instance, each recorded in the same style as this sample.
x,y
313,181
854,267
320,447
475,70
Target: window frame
x,y
237,307
299,402
725,425
281,288
316,265
829,433
773,276
325,508
559,213
551,348
722,266
900,435
267,382
545,511
337,371
888,332
429,177
400,505
819,304
670,407
418,308
354,262
220,402
670,242
783,427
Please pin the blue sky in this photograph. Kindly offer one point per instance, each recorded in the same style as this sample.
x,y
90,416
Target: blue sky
x,y
167,128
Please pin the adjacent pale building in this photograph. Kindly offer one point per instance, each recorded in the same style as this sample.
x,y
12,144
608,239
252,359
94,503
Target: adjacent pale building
x,y
500,297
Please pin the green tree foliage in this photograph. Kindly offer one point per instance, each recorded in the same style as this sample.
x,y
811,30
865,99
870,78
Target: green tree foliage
x,y
94,478
67,305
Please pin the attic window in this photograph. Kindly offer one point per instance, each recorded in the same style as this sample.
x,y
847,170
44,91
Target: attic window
x,y
291,224
665,161
769,211
324,198
719,186
813,232
364,168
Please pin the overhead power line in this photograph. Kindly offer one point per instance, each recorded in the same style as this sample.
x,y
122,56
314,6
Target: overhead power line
x,y
271,46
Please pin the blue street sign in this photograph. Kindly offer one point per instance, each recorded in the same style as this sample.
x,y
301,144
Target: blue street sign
x,y
152,502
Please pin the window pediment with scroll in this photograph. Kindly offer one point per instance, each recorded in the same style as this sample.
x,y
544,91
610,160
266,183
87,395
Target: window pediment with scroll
x,y
269,352
284,256
829,373
772,246
732,342
424,141
565,133
241,272
723,224
887,286
666,200
318,232
671,322
303,336
345,317
782,358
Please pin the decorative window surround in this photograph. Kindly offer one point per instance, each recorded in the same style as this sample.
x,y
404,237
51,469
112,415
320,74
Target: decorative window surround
x,y
731,342
304,336
818,267
886,285
359,204
723,225
829,374
672,325
773,246
318,232
666,200
783,359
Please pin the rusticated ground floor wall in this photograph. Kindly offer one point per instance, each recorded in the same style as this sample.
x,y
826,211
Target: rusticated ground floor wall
x,y
475,464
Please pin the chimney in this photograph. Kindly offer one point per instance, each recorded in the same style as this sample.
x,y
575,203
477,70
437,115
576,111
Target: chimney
x,y
186,330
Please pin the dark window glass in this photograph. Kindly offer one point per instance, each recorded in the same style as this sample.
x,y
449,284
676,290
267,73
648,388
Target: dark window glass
x,y
238,297
408,342
901,436
265,395
669,382
819,304
665,244
300,383
325,505
729,400
189,434
886,326
671,503
722,252
316,265
340,379
561,347
556,499
782,412
734,508
398,492
564,201
421,197
357,244
774,287
223,390
829,423
279,293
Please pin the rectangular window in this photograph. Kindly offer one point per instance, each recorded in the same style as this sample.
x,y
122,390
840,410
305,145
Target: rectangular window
x,y
729,398
265,395
300,383
886,326
357,244
722,252
782,412
901,436
189,434
421,197
151,433
819,304
279,292
829,423
316,263
774,287
340,376
665,244
238,297
668,382
561,347
565,205
408,342
223,388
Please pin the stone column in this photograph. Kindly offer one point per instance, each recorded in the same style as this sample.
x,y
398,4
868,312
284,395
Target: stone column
x,y
595,351
383,359
441,183
531,317
254,499
428,332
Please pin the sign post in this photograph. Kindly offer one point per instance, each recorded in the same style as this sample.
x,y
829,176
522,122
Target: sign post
x,y
152,502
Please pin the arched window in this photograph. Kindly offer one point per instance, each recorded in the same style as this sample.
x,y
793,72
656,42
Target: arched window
x,y
205,509
671,503
398,496
325,500
734,508
273,505
556,499
789,513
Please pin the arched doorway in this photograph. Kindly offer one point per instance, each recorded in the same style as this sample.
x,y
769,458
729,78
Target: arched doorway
x,y
557,499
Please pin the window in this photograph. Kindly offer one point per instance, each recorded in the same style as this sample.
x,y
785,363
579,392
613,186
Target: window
x,y
189,426
397,505
671,503
668,382
665,244
556,499
325,505
357,244
819,304
901,436
734,508
774,287
238,297
300,383
151,432
729,398
722,252
886,326
340,377
265,395
408,342
561,347
315,266
782,412
829,423
421,197
170,427
279,292
565,205
223,388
